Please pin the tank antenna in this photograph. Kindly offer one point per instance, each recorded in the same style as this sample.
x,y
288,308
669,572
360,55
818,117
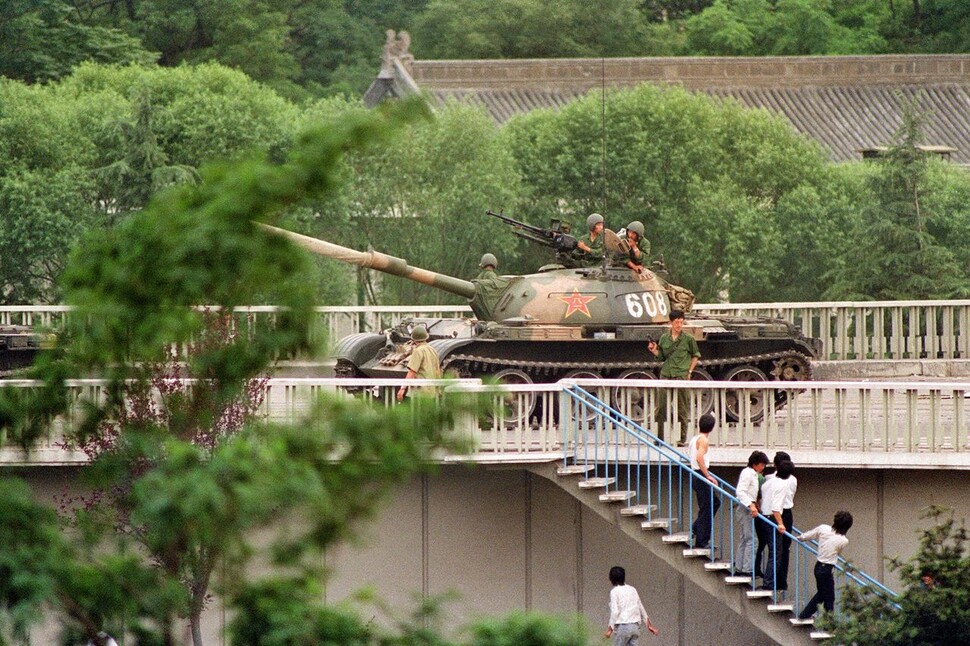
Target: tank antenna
x,y
603,178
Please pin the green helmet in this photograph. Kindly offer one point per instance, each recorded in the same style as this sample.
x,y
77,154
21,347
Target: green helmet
x,y
637,227
419,333
593,220
488,259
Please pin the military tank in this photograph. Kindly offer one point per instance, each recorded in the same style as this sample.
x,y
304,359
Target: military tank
x,y
19,345
580,322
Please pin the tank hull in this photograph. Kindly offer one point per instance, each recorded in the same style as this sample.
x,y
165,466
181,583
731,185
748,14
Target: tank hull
x,y
549,353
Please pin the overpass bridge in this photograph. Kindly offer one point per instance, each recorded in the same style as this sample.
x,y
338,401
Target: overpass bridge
x,y
517,531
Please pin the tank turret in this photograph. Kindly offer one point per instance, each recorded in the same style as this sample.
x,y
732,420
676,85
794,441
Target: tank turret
x,y
577,297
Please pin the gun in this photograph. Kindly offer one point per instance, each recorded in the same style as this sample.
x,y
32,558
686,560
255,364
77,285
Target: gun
x,y
557,236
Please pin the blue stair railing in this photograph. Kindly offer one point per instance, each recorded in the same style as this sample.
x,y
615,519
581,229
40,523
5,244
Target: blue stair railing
x,y
611,445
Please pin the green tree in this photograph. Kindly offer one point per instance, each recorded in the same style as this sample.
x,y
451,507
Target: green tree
x,y
934,607
423,198
305,486
904,260
710,180
42,41
528,29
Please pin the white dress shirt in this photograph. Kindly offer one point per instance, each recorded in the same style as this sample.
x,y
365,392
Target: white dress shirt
x,y
773,493
830,544
792,481
747,489
625,606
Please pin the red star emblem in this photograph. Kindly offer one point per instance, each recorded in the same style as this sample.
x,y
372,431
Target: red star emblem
x,y
576,302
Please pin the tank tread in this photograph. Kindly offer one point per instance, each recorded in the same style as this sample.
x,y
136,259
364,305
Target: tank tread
x,y
624,365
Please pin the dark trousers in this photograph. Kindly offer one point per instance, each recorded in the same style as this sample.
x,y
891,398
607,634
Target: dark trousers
x,y
763,532
825,582
705,511
776,567
683,411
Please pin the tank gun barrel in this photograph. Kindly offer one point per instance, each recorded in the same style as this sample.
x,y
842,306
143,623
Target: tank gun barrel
x,y
379,261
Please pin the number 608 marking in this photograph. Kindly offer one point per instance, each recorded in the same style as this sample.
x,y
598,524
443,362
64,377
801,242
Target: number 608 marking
x,y
637,304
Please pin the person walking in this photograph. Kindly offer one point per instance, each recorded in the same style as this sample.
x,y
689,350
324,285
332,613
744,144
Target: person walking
x,y
749,486
680,354
423,362
626,611
708,502
831,542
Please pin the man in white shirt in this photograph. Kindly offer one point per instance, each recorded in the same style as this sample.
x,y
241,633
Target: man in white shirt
x,y
774,493
626,611
749,485
831,542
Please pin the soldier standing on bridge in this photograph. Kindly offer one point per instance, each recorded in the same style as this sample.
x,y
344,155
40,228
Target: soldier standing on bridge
x,y
424,362
680,355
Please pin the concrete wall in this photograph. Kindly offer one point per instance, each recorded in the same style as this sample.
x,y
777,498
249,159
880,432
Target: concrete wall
x,y
504,539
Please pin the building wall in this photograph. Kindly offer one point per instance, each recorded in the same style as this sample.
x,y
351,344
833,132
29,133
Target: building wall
x,y
504,539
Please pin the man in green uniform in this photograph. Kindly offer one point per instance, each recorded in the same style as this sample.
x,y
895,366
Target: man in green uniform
x,y
639,246
592,244
680,355
488,265
424,362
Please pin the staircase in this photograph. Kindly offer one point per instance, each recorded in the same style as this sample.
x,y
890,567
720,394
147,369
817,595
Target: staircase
x,y
643,486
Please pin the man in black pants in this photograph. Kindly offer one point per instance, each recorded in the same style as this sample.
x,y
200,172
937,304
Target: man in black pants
x,y
708,501
831,542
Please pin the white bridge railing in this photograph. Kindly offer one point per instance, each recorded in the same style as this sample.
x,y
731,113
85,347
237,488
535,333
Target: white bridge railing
x,y
848,330
914,424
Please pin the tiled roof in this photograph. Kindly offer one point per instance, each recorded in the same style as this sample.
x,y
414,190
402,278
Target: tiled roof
x,y
844,102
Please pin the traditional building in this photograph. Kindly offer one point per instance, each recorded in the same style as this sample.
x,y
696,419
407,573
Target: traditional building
x,y
846,103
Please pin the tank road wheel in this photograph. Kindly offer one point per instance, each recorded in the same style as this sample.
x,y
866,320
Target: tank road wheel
x,y
518,406
630,400
583,373
793,368
707,396
756,399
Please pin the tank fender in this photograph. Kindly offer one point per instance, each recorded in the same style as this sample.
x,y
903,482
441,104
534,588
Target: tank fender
x,y
358,349
444,347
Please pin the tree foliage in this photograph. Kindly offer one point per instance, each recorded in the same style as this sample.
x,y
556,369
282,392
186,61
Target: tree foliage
x,y
895,233
715,184
934,607
43,39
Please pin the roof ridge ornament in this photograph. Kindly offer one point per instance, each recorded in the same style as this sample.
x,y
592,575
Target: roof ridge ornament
x,y
396,46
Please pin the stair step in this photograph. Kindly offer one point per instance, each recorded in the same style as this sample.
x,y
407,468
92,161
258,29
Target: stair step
x,y
657,523
676,538
781,607
617,496
795,621
819,635
691,552
737,580
638,510
596,483
759,594
575,470
717,565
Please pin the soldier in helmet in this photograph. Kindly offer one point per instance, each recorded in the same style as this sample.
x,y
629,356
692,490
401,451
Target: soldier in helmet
x,y
424,362
592,244
488,265
639,246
